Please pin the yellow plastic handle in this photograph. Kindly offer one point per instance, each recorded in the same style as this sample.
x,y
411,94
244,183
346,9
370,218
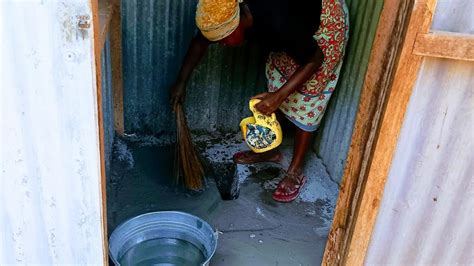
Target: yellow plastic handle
x,y
254,110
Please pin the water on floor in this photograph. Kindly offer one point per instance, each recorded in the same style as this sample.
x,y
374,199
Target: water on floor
x,y
254,229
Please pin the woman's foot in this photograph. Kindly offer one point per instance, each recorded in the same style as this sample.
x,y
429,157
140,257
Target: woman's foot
x,y
250,157
290,187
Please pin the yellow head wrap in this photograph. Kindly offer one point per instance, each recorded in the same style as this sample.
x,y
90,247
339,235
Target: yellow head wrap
x,y
217,19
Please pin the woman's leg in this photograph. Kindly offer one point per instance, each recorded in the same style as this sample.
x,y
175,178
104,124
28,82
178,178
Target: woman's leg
x,y
288,189
301,145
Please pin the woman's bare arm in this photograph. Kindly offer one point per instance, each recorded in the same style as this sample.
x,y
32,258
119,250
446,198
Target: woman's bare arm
x,y
196,51
272,100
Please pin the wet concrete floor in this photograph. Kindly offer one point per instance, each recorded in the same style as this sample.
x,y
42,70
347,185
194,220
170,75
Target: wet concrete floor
x,y
255,230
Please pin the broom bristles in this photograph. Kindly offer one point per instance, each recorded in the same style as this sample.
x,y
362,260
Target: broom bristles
x,y
188,169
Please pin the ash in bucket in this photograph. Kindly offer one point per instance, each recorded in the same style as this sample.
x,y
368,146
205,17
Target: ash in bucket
x,y
225,175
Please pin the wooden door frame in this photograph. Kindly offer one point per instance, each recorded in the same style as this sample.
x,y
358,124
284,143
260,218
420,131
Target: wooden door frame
x,y
384,60
401,41
377,83
98,73
106,21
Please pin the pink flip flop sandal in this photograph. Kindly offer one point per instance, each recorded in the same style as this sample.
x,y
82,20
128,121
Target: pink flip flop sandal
x,y
288,194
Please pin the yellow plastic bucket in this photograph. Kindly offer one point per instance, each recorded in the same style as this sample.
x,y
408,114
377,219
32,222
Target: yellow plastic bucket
x,y
261,132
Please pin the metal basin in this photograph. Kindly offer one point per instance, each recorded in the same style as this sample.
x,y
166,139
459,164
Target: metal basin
x,y
163,238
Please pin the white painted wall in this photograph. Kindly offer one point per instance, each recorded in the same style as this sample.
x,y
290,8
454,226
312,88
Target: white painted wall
x,y
50,201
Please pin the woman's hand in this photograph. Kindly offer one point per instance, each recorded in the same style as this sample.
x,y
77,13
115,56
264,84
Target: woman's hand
x,y
196,51
270,101
177,94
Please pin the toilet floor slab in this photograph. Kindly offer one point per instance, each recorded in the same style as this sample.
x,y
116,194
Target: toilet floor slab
x,y
253,229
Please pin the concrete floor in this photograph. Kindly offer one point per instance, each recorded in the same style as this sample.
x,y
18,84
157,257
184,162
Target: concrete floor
x,y
255,230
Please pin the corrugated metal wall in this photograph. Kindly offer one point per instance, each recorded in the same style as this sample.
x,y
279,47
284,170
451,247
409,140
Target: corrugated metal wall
x,y
50,200
335,134
454,16
426,213
107,104
155,37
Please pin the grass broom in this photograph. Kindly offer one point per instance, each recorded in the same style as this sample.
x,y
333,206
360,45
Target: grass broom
x,y
188,166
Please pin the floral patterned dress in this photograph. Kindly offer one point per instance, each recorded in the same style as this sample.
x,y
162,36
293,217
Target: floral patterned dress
x,y
306,106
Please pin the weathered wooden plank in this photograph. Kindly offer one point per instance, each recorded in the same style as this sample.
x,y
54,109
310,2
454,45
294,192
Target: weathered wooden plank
x,y
98,47
49,159
445,45
106,12
385,140
377,81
